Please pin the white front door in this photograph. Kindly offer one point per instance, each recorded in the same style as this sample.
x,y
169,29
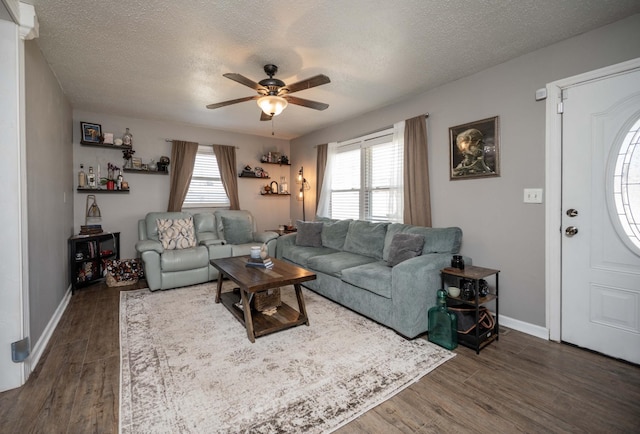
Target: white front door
x,y
600,210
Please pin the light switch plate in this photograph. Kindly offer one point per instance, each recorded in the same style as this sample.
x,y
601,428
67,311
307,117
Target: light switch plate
x,y
532,195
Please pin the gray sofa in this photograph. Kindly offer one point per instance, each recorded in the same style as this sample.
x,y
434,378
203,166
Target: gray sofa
x,y
352,269
214,233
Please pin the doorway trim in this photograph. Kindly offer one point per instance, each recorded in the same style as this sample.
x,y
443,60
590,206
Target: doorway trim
x,y
553,186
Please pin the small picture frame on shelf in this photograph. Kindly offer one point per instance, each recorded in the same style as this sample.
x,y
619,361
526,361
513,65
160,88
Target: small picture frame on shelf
x,y
136,163
91,133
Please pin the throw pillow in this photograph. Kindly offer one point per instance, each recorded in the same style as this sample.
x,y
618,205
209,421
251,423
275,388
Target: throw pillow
x,y
309,234
334,232
176,234
365,238
237,230
403,247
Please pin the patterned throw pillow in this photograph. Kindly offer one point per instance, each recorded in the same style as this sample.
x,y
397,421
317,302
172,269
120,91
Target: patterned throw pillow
x,y
176,234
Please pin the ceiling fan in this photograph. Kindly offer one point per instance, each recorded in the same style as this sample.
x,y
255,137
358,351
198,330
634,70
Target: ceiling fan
x,y
273,94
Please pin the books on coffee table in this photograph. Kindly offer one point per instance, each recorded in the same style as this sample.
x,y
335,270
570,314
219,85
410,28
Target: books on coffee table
x,y
259,262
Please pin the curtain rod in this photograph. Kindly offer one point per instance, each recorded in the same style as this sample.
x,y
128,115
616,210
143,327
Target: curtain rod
x,y
171,140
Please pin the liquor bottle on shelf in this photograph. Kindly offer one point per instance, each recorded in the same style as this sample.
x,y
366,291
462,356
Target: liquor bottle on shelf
x,y
443,325
82,177
91,178
127,138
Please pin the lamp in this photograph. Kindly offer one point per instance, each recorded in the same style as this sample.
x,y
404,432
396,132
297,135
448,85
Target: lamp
x,y
91,214
272,105
304,185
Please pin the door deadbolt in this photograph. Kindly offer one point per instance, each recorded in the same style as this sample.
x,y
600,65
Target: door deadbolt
x,y
571,231
572,212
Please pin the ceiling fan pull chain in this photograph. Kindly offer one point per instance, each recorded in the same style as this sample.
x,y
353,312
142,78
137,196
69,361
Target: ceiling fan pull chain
x,y
272,125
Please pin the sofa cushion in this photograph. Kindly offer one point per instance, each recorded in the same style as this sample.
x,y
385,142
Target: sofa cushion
x,y
334,233
366,238
300,255
237,230
403,247
176,234
309,234
436,240
333,263
374,277
186,259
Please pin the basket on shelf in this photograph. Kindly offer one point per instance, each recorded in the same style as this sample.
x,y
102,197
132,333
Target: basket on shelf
x,y
268,299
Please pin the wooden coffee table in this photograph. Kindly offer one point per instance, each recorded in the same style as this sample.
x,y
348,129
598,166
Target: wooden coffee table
x,y
252,280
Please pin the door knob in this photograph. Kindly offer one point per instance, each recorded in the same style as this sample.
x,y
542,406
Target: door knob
x,y
571,231
572,212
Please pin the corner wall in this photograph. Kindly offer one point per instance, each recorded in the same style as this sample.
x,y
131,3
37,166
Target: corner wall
x,y
500,231
49,200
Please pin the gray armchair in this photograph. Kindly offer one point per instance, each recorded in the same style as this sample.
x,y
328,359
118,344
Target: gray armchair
x,y
221,234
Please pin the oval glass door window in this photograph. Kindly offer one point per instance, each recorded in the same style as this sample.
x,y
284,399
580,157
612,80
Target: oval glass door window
x,y
626,189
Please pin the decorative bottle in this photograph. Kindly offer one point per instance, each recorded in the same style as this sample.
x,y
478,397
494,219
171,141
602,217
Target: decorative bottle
x,y
82,177
127,138
119,180
443,325
284,187
91,178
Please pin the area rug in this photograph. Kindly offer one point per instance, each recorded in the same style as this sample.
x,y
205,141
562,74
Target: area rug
x,y
187,366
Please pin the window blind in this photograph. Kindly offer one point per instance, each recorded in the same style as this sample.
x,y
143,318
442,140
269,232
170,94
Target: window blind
x,y
206,189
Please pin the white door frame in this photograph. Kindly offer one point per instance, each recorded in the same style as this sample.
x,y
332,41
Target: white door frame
x,y
553,186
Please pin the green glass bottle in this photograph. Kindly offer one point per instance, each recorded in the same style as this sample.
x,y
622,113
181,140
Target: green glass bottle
x,y
443,325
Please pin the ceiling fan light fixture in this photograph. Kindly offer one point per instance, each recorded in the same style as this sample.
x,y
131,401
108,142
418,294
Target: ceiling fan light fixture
x,y
272,105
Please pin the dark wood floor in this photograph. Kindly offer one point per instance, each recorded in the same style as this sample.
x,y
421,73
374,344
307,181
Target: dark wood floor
x,y
518,384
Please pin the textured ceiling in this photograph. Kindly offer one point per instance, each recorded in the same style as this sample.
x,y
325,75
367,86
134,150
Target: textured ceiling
x,y
164,59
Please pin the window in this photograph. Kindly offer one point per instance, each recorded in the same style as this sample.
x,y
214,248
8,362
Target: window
x,y
206,189
626,188
366,179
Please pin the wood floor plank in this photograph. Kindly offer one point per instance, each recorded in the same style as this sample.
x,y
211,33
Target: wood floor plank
x,y
517,384
96,402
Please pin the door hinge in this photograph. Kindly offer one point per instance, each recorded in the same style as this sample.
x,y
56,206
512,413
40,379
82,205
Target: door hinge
x,y
20,350
560,107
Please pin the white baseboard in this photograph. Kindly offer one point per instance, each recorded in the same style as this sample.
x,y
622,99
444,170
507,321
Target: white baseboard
x,y
525,327
38,348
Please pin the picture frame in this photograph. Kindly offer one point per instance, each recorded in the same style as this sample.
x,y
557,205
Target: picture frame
x,y
474,149
136,163
91,133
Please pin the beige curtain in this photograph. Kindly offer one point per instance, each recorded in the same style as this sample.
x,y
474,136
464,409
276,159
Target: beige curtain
x,y
321,165
183,157
417,197
226,157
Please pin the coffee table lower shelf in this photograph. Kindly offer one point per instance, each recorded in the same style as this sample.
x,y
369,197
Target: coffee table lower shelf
x,y
284,318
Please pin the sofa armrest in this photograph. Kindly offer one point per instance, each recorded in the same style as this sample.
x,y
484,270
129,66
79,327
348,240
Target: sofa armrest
x,y
415,283
264,237
149,246
283,242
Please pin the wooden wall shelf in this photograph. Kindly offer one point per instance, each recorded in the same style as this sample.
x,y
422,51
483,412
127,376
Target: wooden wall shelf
x,y
146,172
105,145
100,190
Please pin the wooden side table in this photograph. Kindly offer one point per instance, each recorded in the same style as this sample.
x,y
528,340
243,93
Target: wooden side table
x,y
480,338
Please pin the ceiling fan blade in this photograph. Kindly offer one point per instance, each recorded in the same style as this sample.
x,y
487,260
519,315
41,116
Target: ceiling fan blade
x,y
308,83
243,80
264,116
232,101
306,102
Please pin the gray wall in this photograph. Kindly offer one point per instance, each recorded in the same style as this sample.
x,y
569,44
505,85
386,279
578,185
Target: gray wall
x,y
49,188
120,212
500,231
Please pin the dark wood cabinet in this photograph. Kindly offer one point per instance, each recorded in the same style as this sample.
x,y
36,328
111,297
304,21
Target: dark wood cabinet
x,y
87,254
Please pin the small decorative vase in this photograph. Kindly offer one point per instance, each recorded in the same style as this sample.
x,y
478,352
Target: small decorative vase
x,y
153,166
